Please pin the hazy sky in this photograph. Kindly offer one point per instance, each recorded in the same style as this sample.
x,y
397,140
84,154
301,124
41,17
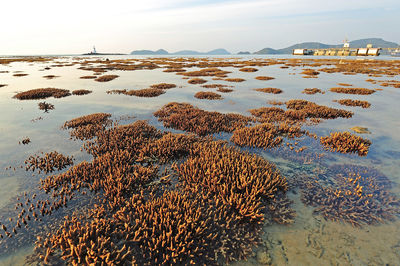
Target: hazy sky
x,y
71,26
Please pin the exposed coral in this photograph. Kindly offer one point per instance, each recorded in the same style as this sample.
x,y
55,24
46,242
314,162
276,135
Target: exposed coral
x,y
206,72
313,110
265,135
149,92
45,106
86,127
184,116
345,142
106,78
81,92
248,69
264,78
224,90
50,77
235,79
50,162
312,91
208,95
270,90
349,102
197,81
361,91
42,94
310,72
88,77
214,215
163,86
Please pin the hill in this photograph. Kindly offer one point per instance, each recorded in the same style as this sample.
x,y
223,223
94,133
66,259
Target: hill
x,y
376,42
149,52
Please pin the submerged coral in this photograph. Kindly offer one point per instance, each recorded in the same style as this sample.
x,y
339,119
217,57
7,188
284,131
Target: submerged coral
x,y
353,198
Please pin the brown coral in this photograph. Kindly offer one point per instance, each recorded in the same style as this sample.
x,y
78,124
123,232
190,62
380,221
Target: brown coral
x,y
208,95
269,90
42,94
345,142
361,91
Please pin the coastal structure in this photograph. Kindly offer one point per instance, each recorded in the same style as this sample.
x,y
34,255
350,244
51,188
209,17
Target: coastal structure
x,y
343,51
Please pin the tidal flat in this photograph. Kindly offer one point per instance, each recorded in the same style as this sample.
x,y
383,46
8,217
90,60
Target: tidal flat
x,y
139,160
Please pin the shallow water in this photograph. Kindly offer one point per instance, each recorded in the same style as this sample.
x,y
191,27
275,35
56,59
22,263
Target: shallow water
x,y
311,240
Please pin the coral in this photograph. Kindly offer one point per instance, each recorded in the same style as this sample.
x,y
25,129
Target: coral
x,y
214,214
50,77
274,102
197,81
224,90
270,90
345,142
353,198
235,79
312,91
184,116
313,110
106,78
349,102
49,163
88,77
42,94
86,127
264,78
163,86
310,72
81,92
208,95
361,91
248,69
45,106
207,72
265,135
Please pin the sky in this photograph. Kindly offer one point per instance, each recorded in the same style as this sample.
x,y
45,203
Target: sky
x,y
73,27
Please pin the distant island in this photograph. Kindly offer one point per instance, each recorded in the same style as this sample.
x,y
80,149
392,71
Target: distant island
x,y
182,52
376,42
